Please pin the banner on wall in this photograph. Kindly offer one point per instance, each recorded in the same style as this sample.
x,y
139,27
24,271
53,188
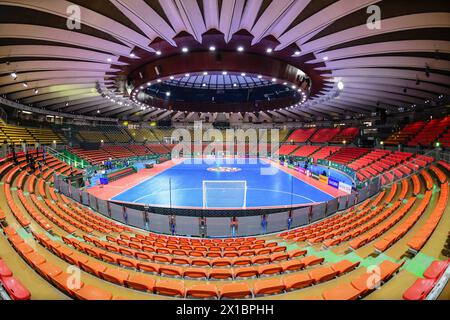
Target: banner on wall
x,y
323,179
333,182
345,187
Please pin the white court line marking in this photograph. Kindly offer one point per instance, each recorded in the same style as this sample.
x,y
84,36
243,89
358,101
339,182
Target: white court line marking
x,y
298,178
184,189
145,179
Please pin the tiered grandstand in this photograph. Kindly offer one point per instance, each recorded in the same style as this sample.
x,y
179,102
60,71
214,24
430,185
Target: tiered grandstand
x,y
347,155
121,262
204,152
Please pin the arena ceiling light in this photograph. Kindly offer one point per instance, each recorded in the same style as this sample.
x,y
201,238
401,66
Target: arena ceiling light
x,y
240,49
205,73
340,85
109,59
269,50
185,49
212,48
158,53
243,74
13,75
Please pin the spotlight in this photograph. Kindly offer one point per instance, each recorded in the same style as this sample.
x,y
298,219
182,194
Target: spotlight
x,y
25,85
13,75
212,48
158,53
224,73
269,50
325,58
171,77
274,80
240,49
159,80
36,91
132,55
98,111
184,49
205,73
187,75
243,74
340,85
204,85
234,85
296,53
260,77
168,93
109,59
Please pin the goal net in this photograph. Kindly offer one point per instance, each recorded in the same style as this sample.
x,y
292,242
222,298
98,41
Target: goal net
x,y
224,194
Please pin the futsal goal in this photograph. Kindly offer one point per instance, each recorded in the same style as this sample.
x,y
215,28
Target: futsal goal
x,y
224,193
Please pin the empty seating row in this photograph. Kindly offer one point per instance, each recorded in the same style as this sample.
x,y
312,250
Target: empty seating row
x,y
15,289
324,135
430,132
306,151
301,135
287,149
420,289
405,134
346,155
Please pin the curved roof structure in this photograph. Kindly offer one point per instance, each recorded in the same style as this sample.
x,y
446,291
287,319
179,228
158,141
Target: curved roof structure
x,y
67,56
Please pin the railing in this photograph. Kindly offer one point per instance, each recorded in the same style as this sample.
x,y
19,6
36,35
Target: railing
x,y
73,161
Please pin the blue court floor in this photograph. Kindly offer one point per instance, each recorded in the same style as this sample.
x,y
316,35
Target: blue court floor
x,y
182,186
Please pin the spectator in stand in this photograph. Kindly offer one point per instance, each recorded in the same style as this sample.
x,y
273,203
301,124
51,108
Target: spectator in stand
x,y
32,164
40,167
14,156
